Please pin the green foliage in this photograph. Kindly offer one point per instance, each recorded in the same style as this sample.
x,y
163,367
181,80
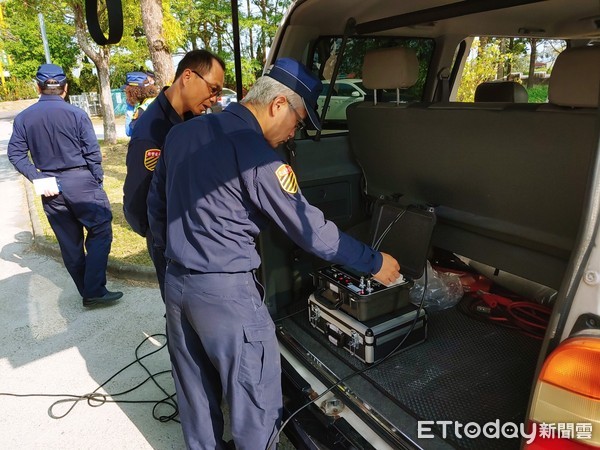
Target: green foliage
x,y
538,94
251,69
482,65
22,38
16,89
87,79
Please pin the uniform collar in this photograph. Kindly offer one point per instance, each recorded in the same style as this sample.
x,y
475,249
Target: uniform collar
x,y
245,114
167,108
50,98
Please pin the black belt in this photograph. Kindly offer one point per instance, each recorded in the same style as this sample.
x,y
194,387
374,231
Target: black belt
x,y
66,170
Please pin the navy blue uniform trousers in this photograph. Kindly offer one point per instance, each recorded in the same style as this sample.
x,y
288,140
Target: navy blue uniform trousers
x,y
81,204
222,344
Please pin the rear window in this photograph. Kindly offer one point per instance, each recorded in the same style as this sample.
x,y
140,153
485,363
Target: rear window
x,y
348,87
524,61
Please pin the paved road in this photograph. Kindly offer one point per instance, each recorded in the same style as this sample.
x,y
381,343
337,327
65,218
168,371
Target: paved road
x,y
51,345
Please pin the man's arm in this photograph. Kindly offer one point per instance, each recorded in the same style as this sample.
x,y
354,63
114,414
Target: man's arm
x,y
18,152
90,149
141,157
276,193
157,205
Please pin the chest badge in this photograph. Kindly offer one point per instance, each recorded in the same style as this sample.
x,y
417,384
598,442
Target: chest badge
x,y
151,158
287,178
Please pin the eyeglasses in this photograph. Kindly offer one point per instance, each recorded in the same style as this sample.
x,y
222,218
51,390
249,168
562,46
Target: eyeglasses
x,y
300,124
215,91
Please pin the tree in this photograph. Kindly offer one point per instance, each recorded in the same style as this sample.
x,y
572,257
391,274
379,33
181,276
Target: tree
x,y
482,65
22,39
162,34
532,59
100,56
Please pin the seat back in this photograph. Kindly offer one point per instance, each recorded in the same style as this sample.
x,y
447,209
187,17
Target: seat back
x,y
501,91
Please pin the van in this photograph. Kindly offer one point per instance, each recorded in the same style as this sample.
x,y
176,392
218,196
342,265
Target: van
x,y
513,190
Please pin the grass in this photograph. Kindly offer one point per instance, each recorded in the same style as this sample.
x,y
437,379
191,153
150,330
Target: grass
x,y
127,246
538,93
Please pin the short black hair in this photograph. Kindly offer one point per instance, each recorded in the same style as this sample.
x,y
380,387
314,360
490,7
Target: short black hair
x,y
51,87
200,60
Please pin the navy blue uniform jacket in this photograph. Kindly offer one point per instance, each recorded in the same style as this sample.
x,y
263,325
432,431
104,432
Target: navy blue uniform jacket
x,y
58,135
147,140
218,183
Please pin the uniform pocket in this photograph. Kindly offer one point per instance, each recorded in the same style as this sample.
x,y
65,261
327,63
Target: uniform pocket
x,y
259,362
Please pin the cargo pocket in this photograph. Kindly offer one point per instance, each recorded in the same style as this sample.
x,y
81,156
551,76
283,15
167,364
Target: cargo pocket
x,y
259,362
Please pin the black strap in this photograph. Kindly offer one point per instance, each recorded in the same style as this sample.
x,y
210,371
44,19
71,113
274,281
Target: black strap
x,y
443,87
115,21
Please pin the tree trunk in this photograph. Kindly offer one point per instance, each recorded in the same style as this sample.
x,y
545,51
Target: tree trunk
x,y
500,70
250,30
101,60
108,113
532,58
152,18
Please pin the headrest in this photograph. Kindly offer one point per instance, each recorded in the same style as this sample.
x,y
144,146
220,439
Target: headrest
x,y
501,91
575,78
390,68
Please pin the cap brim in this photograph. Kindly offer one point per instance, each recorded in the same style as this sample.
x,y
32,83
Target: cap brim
x,y
312,115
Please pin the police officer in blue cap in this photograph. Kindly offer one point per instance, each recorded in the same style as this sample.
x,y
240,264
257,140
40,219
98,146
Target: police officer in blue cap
x,y
198,82
217,184
61,141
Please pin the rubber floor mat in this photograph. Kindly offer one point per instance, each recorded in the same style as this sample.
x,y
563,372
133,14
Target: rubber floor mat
x,y
466,371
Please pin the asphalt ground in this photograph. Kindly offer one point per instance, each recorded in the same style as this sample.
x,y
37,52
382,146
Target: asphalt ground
x,y
52,349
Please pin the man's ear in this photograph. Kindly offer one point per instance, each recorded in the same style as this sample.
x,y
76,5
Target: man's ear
x,y
278,103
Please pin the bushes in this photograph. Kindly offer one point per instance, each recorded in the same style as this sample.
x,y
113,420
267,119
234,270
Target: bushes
x,y
15,89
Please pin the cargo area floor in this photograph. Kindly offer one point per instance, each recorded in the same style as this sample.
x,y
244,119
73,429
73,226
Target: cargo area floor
x,y
466,371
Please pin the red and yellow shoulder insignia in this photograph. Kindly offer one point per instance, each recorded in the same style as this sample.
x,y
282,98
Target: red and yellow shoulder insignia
x,y
287,178
151,158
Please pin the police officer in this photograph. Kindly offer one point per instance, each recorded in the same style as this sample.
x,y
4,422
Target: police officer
x,y
218,182
198,82
62,143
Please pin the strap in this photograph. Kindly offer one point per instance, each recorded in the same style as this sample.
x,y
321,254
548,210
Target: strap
x,y
442,91
115,21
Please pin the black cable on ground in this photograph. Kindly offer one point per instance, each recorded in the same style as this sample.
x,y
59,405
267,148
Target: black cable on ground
x,y
95,398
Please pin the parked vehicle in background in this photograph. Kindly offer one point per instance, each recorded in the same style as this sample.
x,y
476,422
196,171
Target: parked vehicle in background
x,y
226,97
345,92
514,187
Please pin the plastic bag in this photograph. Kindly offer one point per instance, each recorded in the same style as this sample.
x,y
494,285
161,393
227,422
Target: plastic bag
x,y
444,290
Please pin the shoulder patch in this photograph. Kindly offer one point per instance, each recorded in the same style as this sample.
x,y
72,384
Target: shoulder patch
x,y
151,158
287,178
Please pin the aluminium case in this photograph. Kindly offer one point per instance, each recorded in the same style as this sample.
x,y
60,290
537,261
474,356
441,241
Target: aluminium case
x,y
372,340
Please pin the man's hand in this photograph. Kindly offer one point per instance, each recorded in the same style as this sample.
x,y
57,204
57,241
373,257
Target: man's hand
x,y
390,270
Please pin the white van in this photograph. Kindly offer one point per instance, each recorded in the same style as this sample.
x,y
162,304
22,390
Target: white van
x,y
514,188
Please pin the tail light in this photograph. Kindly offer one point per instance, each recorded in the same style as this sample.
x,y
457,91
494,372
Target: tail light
x,y
565,411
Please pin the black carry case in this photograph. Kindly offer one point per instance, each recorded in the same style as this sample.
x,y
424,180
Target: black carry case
x,y
404,233
372,340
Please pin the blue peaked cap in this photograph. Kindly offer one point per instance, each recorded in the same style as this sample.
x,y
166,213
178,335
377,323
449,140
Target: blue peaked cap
x,y
299,79
51,75
136,79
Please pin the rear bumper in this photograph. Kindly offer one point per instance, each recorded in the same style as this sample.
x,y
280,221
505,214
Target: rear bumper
x,y
358,425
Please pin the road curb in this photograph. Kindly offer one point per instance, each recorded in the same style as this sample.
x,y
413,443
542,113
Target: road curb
x,y
42,245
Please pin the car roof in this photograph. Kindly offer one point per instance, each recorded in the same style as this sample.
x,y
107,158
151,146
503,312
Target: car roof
x,y
432,18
